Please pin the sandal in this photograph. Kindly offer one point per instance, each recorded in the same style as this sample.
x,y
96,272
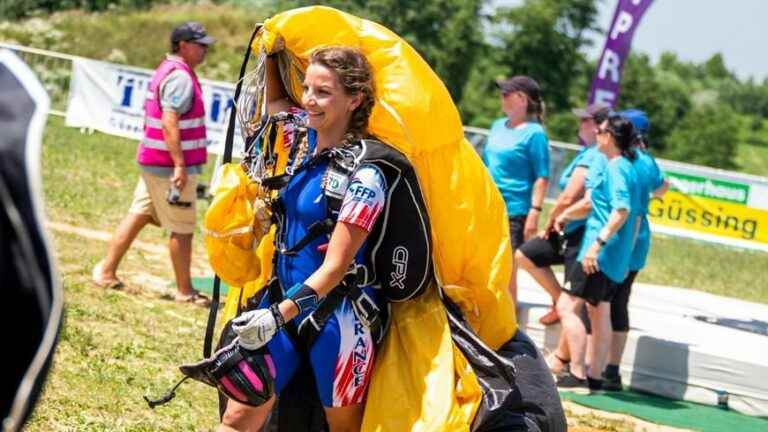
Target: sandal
x,y
565,363
551,317
194,298
115,284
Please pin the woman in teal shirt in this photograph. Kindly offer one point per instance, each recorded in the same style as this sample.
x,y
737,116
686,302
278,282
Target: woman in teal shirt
x,y
517,156
612,203
652,181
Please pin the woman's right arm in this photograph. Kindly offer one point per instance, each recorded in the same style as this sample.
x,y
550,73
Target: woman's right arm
x,y
573,191
277,97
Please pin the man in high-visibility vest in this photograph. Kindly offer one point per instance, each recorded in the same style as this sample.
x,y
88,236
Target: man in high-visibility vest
x,y
171,156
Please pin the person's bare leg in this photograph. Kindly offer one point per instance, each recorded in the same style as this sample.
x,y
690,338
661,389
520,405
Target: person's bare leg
x,y
512,288
544,276
600,318
243,418
574,332
121,241
345,419
180,246
560,357
618,342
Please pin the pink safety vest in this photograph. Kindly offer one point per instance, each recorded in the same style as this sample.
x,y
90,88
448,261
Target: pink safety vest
x,y
152,149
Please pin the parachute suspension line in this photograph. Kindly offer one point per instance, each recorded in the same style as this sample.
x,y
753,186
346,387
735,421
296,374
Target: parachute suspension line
x,y
227,158
166,397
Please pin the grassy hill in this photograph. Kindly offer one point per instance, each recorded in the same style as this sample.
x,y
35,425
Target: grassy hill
x,y
140,38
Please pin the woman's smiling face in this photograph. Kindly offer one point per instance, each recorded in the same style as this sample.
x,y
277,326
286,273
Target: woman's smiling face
x,y
329,107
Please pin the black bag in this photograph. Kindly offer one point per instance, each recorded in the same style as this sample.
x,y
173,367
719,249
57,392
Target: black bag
x,y
30,285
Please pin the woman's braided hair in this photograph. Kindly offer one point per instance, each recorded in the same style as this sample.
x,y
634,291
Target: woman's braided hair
x,y
356,77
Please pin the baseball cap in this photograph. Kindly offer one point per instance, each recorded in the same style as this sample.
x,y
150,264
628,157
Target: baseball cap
x,y
590,111
191,31
520,83
638,119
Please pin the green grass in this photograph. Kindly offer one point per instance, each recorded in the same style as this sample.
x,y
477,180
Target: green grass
x,y
753,159
116,347
706,267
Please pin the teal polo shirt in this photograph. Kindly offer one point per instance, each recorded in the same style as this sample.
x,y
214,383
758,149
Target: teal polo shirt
x,y
516,158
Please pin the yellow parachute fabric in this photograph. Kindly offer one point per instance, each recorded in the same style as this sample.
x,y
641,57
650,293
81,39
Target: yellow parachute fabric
x,y
229,237
239,292
421,379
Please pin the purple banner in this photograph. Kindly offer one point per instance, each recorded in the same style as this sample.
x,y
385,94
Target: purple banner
x,y
605,84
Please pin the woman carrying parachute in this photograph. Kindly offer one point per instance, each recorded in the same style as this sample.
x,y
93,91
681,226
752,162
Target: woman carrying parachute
x,y
382,214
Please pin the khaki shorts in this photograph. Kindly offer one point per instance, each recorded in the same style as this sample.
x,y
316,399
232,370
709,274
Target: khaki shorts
x,y
149,199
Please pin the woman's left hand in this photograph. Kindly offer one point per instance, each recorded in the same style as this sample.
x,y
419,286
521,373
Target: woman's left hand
x,y
589,263
531,225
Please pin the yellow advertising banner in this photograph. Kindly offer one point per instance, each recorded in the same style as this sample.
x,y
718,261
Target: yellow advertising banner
x,y
711,208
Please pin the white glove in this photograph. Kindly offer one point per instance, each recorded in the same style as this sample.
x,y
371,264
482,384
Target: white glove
x,y
257,327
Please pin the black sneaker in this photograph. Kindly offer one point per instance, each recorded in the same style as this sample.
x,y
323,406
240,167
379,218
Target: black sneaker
x,y
569,382
612,383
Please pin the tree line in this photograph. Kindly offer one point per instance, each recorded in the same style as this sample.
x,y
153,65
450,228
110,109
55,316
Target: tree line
x,y
700,112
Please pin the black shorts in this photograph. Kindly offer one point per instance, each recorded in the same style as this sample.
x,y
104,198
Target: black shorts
x,y
619,306
517,230
557,249
594,288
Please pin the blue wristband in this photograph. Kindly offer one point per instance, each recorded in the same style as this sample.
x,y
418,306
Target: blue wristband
x,y
303,296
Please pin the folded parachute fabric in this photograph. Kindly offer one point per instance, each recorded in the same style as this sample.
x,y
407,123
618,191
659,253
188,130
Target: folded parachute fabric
x,y
418,365
415,114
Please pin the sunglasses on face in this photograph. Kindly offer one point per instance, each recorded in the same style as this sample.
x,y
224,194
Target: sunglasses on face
x,y
601,131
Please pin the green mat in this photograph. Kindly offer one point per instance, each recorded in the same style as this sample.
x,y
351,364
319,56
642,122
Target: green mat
x,y
681,414
205,284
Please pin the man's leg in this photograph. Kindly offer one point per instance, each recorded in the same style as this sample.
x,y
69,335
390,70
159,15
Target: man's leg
x,y
180,246
126,232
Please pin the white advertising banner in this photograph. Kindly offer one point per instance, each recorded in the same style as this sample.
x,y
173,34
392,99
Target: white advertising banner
x,y
110,98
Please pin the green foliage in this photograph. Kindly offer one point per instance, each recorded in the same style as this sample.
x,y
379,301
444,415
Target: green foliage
x,y
141,38
480,104
13,9
563,126
468,44
705,136
661,94
542,39
748,97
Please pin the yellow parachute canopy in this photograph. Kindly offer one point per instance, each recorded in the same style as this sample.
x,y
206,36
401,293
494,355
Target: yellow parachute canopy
x,y
415,114
229,236
421,380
